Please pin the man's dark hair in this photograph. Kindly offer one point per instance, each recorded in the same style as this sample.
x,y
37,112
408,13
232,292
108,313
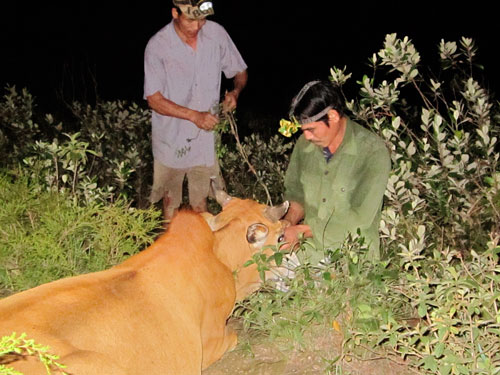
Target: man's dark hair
x,y
318,97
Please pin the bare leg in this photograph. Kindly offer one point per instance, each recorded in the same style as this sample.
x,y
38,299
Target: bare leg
x,y
168,210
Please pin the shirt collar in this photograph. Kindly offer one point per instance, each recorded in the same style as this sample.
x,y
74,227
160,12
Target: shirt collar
x,y
327,154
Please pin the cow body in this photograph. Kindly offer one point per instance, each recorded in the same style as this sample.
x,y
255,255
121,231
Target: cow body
x,y
162,311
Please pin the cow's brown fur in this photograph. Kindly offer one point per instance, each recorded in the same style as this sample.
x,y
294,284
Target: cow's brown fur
x,y
163,311
233,221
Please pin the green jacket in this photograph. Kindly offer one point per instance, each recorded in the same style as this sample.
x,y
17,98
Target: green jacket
x,y
342,195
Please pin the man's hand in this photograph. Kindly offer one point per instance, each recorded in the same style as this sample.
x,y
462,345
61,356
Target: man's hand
x,y
205,120
230,101
294,233
231,97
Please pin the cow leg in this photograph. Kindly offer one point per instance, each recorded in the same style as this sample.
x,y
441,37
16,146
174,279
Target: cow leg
x,y
231,338
85,362
229,341
215,348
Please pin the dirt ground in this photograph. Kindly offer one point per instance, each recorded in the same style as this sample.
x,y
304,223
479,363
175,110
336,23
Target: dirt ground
x,y
254,356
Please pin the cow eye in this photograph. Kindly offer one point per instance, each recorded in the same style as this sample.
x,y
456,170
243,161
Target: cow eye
x,y
281,238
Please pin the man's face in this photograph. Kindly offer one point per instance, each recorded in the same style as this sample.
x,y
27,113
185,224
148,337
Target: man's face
x,y
188,26
318,133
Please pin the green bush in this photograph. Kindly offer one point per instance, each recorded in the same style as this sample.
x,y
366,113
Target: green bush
x,y
110,150
46,236
269,157
17,129
120,136
441,217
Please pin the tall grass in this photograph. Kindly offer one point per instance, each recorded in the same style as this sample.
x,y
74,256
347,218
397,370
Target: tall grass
x,y
45,236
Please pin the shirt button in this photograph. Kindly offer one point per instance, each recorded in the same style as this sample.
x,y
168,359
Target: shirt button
x,y
342,190
324,200
326,172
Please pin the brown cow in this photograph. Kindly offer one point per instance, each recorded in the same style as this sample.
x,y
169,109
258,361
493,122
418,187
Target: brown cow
x,y
162,311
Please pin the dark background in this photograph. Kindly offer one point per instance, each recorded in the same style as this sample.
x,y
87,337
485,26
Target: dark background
x,y
77,50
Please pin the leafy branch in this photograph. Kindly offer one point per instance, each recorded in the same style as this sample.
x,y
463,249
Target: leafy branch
x,y
20,345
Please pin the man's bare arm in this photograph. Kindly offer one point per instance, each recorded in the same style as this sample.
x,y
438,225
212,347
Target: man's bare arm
x,y
231,99
294,231
204,120
295,213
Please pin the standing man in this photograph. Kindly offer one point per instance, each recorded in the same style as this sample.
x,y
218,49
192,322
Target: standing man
x,y
337,175
183,63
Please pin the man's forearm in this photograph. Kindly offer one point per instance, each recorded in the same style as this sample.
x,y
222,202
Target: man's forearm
x,y
295,213
294,232
158,103
166,107
240,81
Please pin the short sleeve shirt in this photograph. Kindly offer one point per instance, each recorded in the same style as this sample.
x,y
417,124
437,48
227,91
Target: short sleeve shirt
x,y
342,195
190,78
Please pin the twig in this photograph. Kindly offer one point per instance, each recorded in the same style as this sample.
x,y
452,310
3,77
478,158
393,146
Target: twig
x,y
389,357
428,104
234,130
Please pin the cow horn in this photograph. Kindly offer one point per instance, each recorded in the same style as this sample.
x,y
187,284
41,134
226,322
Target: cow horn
x,y
276,212
220,195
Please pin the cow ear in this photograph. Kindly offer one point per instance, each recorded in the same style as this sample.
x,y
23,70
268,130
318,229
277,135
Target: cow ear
x,y
257,234
210,219
215,222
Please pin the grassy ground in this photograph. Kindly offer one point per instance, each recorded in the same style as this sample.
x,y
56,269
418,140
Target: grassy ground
x,y
257,355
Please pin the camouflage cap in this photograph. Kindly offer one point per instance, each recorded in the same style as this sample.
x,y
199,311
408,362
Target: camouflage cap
x,y
195,9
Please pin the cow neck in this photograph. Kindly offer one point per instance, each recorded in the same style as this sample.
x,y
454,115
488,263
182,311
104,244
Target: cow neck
x,y
222,242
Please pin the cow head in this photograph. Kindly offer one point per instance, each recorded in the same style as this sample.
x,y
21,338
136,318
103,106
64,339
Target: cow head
x,y
242,229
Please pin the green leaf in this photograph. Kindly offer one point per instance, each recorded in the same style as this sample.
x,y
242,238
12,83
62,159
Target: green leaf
x,y
422,309
439,349
364,308
444,369
393,340
442,331
248,263
278,258
430,363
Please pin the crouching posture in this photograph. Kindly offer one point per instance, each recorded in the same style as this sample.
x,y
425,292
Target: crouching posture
x,y
162,311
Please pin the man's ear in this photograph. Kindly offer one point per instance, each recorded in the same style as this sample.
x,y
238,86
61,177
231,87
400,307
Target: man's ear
x,y
333,116
175,13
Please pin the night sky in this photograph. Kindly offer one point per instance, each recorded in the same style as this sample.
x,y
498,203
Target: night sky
x,y
78,48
